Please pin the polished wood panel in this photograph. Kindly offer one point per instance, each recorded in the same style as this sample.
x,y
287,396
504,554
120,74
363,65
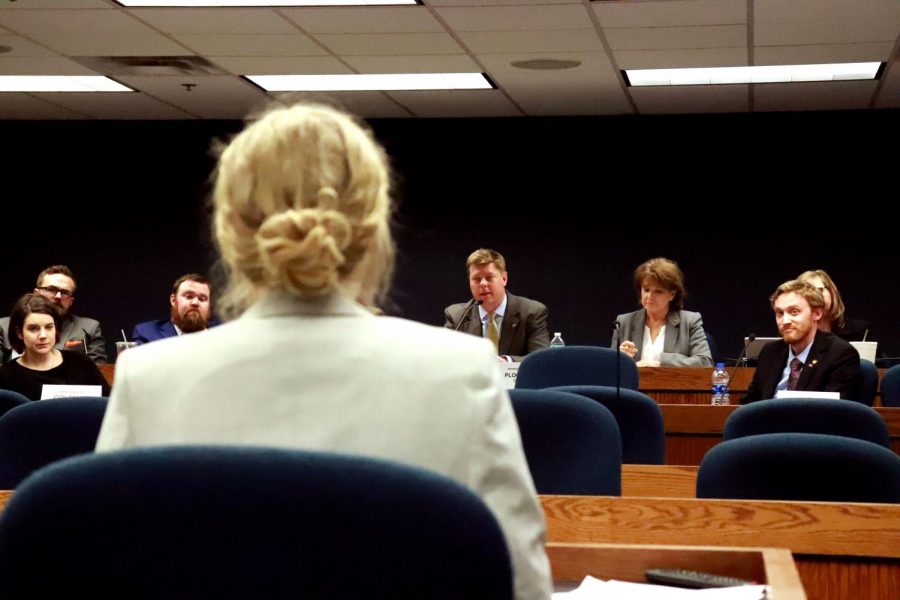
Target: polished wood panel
x,y
842,550
669,481
625,562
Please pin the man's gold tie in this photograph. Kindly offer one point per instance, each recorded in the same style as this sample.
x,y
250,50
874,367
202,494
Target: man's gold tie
x,y
493,333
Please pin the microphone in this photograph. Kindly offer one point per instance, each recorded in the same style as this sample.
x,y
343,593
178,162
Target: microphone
x,y
743,353
618,328
472,302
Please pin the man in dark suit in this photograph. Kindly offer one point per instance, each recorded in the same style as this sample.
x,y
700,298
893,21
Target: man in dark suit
x,y
82,334
805,359
190,308
516,325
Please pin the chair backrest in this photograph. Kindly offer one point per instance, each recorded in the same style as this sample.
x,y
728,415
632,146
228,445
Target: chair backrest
x,y
890,387
10,399
576,365
868,381
572,444
713,345
808,415
800,466
43,431
210,522
640,421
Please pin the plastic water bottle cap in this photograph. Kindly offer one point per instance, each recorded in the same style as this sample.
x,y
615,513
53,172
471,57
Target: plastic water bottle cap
x,y
720,366
556,333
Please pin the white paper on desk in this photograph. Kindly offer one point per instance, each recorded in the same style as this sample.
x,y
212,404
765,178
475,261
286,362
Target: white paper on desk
x,y
815,395
50,391
595,589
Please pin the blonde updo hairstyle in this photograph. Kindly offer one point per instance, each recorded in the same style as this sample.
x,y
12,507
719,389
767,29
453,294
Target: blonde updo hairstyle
x,y
302,204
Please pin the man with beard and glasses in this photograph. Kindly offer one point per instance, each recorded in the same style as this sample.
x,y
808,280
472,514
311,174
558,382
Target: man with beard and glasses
x,y
189,300
81,334
806,358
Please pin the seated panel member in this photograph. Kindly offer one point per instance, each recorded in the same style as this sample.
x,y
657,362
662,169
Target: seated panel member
x,y
57,284
34,321
519,324
806,358
190,308
661,333
833,319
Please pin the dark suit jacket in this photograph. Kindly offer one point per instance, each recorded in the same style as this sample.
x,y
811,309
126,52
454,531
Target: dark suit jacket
x,y
831,366
150,331
523,330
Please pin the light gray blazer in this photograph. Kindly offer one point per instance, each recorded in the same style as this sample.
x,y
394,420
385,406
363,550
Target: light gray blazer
x,y
328,375
685,343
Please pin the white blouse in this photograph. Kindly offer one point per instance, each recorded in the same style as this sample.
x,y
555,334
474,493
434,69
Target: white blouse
x,y
652,350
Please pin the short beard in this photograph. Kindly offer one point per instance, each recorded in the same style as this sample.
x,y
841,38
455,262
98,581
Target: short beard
x,y
191,321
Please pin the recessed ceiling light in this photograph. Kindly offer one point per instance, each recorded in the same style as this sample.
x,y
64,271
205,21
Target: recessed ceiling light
x,y
546,64
381,82
245,3
60,83
762,74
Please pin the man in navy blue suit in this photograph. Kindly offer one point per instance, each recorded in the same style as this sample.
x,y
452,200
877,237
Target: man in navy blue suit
x,y
190,301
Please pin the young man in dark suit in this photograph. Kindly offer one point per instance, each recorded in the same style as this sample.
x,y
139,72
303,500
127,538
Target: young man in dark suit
x,y
805,359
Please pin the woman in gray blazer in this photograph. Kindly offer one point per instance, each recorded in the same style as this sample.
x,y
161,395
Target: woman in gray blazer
x,y
662,334
301,215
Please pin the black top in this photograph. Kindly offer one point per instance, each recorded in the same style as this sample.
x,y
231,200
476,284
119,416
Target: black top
x,y
75,369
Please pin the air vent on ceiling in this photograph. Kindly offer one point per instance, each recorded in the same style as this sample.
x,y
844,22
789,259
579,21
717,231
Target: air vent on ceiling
x,y
149,65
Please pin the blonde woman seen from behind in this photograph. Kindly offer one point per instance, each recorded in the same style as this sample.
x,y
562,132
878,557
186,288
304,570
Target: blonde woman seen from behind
x,y
301,216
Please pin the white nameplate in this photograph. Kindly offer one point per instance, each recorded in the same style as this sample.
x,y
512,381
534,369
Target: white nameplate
x,y
50,391
510,371
815,395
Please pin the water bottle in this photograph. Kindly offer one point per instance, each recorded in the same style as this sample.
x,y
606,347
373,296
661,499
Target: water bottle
x,y
557,341
720,386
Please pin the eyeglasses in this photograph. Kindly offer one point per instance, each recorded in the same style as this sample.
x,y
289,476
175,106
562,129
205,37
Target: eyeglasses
x,y
53,290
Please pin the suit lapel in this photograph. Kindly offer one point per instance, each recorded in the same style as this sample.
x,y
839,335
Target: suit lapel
x,y
636,332
510,324
819,346
773,372
673,330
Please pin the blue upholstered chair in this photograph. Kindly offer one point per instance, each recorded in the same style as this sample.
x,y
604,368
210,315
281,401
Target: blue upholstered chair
x,y
639,418
576,365
800,466
802,415
869,381
38,433
890,387
230,522
10,399
571,443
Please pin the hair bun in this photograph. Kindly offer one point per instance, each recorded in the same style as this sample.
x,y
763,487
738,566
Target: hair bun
x,y
303,248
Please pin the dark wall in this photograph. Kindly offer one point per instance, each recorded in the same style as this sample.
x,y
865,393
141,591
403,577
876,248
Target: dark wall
x,y
742,202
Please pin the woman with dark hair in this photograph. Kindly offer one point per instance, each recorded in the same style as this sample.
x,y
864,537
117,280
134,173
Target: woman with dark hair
x,y
33,326
666,335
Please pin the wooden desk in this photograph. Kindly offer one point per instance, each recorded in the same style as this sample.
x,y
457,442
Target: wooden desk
x,y
691,430
668,481
572,562
842,550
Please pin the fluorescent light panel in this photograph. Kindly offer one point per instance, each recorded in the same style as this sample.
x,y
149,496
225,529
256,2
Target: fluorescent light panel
x,y
59,83
245,3
381,82
762,74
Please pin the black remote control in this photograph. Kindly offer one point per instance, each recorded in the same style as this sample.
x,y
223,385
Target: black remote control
x,y
692,579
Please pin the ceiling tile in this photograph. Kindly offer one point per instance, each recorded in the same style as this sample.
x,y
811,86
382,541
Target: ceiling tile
x,y
367,105
41,24
114,43
370,19
517,18
26,106
671,14
41,65
665,38
691,99
205,98
295,44
280,65
500,2
674,59
814,95
457,103
498,42
827,53
23,47
117,106
391,44
825,21
224,20
55,4
444,63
